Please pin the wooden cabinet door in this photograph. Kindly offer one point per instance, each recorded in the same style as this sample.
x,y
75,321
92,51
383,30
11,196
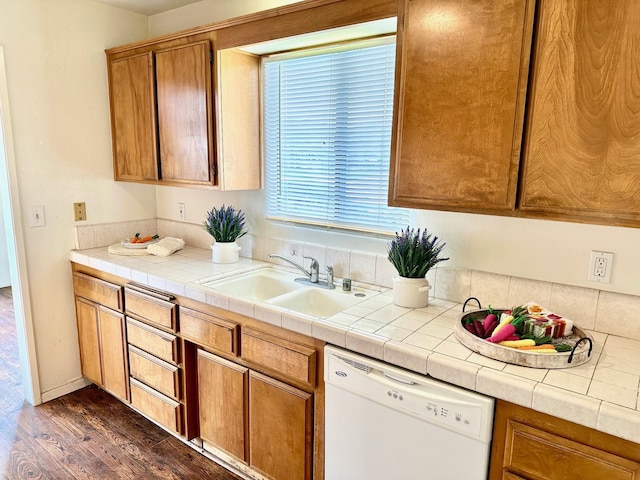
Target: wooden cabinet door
x,y
89,339
183,76
461,72
280,429
582,150
115,367
222,398
133,118
530,445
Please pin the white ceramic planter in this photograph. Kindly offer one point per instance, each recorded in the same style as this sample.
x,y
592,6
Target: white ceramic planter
x,y
411,292
225,252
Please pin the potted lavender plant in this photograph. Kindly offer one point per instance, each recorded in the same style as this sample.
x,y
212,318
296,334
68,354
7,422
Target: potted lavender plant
x,y
413,254
225,225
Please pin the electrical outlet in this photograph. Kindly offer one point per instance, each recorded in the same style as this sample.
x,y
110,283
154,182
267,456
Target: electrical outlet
x,y
182,213
36,216
600,266
79,211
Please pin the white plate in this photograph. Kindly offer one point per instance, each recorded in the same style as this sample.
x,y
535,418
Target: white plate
x,y
138,245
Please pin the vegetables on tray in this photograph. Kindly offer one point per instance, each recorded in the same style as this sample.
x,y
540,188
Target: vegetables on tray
x,y
526,328
138,239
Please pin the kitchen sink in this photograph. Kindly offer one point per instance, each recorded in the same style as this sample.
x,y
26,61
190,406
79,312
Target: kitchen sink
x,y
258,284
319,302
279,288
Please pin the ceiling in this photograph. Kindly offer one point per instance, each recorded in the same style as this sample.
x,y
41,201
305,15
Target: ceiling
x,y
148,7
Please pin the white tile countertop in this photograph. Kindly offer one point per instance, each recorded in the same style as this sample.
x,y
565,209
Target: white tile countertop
x,y
602,393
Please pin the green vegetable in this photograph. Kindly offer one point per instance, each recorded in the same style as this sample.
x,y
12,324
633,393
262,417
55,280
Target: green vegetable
x,y
518,311
563,347
540,340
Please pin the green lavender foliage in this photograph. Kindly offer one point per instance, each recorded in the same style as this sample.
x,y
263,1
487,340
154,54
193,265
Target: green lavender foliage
x,y
225,224
414,254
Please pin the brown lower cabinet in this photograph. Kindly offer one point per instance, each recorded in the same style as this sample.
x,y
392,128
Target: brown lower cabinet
x,y
261,421
101,335
237,387
530,445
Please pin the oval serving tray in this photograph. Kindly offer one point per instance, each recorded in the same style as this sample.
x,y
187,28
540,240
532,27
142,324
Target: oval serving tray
x,y
580,354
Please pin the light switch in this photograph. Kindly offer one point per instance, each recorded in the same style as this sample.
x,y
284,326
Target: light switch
x,y
36,216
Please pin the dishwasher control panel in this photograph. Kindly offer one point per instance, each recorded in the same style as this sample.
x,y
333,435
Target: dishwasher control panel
x,y
430,400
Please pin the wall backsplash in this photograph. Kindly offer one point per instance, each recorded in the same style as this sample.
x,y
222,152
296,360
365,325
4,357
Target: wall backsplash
x,y
602,311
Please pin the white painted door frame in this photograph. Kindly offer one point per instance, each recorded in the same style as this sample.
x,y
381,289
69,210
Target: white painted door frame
x,y
15,248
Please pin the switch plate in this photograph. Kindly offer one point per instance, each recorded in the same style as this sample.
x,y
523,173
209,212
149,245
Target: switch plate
x,y
600,266
182,213
79,211
36,216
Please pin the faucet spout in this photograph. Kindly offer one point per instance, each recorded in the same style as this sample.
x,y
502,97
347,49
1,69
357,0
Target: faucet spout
x,y
311,275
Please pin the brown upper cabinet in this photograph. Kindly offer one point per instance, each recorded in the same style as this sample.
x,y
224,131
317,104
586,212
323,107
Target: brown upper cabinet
x,y
133,118
581,157
183,93
169,97
461,73
466,140
161,112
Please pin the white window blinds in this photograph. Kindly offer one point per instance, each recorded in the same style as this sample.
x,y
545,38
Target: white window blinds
x,y
327,133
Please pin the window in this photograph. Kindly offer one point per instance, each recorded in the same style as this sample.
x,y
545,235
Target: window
x,y
327,134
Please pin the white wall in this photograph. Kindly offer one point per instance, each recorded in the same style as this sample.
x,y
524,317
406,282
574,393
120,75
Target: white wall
x,y
57,84
207,11
537,249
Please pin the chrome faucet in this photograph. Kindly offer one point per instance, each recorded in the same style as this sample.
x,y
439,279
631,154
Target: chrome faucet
x,y
313,275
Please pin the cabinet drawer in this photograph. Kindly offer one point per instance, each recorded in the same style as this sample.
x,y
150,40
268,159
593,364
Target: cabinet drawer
x,y
534,453
291,359
154,372
209,331
155,310
100,291
152,340
161,408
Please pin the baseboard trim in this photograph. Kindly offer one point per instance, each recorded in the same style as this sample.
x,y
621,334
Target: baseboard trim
x,y
64,389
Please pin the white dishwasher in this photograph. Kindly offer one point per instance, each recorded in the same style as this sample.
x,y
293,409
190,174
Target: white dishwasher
x,y
384,423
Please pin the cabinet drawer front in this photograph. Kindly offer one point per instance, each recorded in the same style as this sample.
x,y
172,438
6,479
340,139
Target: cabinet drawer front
x,y
209,331
154,372
161,344
291,359
161,408
100,291
154,310
534,453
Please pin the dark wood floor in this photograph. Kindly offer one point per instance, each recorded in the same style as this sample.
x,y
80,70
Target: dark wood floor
x,y
85,435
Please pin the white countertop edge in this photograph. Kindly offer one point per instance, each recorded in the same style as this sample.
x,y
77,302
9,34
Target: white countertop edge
x,y
582,409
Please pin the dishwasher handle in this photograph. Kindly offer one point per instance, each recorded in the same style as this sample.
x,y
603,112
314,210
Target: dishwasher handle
x,y
399,380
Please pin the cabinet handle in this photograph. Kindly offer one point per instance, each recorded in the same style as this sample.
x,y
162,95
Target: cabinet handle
x,y
167,297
